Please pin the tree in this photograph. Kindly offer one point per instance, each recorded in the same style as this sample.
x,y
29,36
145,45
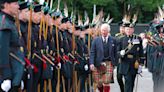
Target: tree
x,y
116,8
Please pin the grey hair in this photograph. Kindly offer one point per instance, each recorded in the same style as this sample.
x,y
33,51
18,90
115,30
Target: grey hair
x,y
105,25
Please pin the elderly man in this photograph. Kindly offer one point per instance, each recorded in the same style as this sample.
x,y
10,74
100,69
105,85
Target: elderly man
x,y
102,58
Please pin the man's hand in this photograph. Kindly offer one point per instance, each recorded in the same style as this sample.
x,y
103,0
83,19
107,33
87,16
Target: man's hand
x,y
92,67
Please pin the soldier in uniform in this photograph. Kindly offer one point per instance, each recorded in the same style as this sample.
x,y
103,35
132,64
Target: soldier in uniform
x,y
102,58
131,54
155,57
8,32
120,76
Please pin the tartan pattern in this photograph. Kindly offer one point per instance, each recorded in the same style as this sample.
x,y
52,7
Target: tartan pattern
x,y
101,78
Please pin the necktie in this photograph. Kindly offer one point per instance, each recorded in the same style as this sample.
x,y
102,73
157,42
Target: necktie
x,y
104,40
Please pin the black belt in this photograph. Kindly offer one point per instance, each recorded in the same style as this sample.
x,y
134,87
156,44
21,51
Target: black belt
x,y
107,59
130,56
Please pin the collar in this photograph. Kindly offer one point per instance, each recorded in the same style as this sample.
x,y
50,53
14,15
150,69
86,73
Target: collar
x,y
7,16
105,38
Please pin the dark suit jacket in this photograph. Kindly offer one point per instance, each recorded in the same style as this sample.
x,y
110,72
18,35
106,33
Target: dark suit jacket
x,y
97,51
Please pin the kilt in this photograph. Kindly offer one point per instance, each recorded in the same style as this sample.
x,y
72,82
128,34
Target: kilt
x,y
100,78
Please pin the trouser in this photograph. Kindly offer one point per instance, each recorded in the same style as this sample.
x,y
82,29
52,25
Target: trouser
x,y
120,79
129,82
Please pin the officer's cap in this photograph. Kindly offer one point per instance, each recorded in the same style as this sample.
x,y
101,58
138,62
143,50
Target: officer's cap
x,y
7,1
56,14
77,27
37,8
23,5
66,19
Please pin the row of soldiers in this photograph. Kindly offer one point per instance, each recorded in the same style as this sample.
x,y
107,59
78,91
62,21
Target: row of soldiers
x,y
42,49
155,50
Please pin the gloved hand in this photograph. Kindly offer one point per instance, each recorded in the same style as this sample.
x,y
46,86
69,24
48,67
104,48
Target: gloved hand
x,y
122,52
86,67
139,69
6,85
22,85
104,64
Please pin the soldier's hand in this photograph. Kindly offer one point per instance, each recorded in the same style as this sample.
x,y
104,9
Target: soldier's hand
x,y
92,67
6,85
86,67
122,52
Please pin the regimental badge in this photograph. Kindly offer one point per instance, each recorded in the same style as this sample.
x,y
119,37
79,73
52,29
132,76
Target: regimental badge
x,y
138,49
136,41
129,41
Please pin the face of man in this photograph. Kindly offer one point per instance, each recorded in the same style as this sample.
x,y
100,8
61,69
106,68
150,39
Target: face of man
x,y
129,31
105,31
12,8
57,21
122,29
69,25
24,15
36,17
63,26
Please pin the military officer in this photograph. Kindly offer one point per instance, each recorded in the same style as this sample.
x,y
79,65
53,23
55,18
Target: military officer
x,y
131,54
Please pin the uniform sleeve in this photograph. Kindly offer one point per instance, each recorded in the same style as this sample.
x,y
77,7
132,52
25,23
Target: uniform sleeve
x,y
115,53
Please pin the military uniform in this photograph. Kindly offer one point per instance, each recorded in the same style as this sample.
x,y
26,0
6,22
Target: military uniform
x,y
10,34
155,60
119,76
134,54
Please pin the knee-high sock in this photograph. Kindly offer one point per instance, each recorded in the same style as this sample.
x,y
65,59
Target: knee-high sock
x,y
106,88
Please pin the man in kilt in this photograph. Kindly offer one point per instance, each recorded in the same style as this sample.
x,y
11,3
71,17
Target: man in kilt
x,y
102,58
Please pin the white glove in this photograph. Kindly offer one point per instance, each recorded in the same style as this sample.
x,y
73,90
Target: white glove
x,y
6,85
86,67
139,69
104,64
122,52
22,85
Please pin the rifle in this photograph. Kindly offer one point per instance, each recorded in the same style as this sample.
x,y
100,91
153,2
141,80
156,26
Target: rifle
x,y
16,58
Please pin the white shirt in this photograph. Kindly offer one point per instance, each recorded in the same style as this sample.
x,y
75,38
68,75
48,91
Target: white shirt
x,y
105,38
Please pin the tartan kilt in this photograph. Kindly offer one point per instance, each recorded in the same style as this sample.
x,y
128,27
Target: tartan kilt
x,y
100,78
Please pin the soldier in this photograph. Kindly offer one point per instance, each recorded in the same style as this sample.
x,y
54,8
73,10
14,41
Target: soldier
x,y
8,31
131,54
102,58
155,57
120,76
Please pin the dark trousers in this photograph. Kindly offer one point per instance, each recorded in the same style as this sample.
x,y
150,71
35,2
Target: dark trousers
x,y
120,79
129,82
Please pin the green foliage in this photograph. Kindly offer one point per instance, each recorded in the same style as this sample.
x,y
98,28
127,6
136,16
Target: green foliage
x,y
116,8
